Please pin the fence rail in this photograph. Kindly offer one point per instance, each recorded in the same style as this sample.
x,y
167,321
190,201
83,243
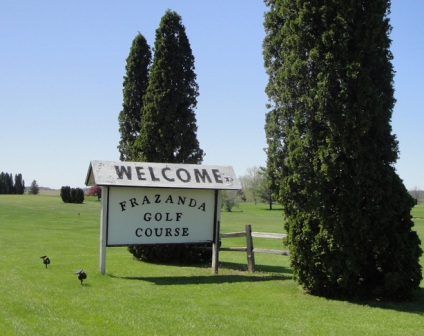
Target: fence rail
x,y
249,249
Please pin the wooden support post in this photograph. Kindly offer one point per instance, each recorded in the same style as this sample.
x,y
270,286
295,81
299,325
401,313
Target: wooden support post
x,y
217,229
103,227
215,252
249,246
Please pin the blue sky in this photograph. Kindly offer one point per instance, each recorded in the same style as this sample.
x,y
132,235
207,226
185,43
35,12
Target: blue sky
x,y
62,65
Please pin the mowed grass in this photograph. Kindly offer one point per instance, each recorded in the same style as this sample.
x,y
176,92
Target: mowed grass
x,y
149,299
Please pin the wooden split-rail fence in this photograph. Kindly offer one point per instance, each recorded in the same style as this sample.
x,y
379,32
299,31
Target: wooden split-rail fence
x,y
249,248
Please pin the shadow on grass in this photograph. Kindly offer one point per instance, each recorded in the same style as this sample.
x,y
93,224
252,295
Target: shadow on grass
x,y
415,306
282,274
273,209
258,268
205,280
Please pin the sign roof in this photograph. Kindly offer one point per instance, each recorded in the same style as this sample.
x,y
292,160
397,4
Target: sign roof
x,y
161,175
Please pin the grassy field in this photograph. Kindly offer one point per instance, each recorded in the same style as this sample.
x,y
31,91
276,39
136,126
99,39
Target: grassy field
x,y
149,299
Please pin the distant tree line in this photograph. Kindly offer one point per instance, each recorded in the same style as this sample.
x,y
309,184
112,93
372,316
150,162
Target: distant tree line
x,y
417,194
72,195
10,185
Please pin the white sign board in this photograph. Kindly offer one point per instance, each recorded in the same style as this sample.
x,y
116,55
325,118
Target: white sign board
x,y
159,216
162,175
159,203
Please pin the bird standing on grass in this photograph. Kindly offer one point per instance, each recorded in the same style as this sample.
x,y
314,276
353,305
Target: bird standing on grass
x,y
46,260
81,275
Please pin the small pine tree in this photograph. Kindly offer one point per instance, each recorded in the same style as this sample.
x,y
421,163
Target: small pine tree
x,y
34,189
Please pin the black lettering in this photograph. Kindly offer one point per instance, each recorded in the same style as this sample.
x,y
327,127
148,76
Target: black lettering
x,y
158,217
181,200
169,200
152,174
147,216
185,232
217,176
168,219
148,232
157,198
192,203
145,200
202,175
179,215
140,173
202,207
177,232
133,202
166,177
187,175
168,232
156,232
120,171
139,232
123,205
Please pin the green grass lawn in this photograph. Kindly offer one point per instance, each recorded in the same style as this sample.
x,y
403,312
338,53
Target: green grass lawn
x,y
149,299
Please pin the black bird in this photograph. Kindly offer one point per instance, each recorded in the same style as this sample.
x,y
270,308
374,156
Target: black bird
x,y
82,275
46,260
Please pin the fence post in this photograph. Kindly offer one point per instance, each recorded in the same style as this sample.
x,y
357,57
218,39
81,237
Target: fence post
x,y
215,250
249,248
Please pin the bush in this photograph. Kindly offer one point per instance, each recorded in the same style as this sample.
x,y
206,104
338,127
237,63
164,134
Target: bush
x,y
177,254
72,195
95,191
65,194
229,199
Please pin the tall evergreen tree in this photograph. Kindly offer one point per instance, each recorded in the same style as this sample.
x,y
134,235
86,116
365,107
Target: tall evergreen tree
x,y
2,183
331,87
168,127
168,124
135,84
19,185
6,183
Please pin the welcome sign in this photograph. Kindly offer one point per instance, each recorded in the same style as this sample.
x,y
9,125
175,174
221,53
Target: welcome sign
x,y
162,175
160,216
159,203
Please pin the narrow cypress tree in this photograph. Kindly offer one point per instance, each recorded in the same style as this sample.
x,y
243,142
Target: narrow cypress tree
x,y
19,185
65,194
168,124
135,84
347,211
168,127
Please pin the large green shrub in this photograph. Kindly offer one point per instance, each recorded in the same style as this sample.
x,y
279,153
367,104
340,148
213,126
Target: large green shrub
x,y
72,195
331,86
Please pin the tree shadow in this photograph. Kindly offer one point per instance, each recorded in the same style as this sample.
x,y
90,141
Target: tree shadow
x,y
258,268
273,209
280,273
204,280
415,306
